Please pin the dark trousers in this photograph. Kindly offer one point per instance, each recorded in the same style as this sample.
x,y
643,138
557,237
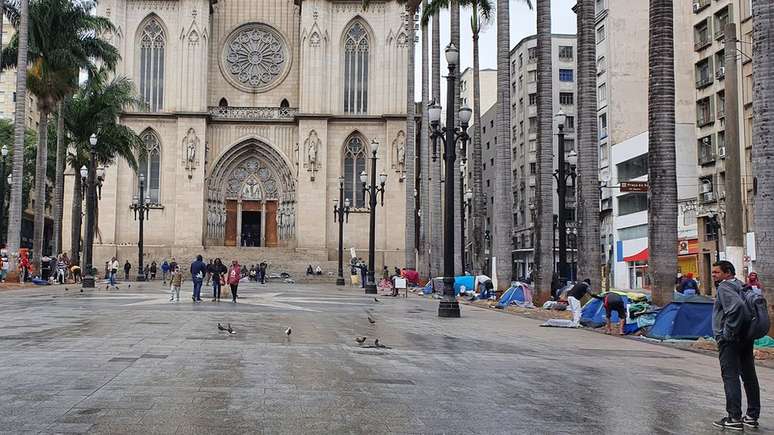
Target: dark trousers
x,y
197,290
215,288
736,360
234,291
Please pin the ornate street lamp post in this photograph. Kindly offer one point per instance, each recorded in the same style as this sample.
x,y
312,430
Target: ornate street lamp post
x,y
449,307
467,205
4,154
140,206
565,171
340,215
372,190
91,203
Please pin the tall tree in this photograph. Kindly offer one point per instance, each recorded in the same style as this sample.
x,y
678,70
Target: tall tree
x,y
588,148
544,195
410,156
662,173
435,172
425,153
61,162
64,37
763,129
482,12
454,12
15,206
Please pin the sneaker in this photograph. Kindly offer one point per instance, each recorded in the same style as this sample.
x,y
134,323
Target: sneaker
x,y
750,422
213,299
729,423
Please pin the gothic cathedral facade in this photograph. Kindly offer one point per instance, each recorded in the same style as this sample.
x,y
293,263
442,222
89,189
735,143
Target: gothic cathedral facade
x,y
255,112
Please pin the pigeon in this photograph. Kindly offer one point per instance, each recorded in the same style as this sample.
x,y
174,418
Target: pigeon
x,y
230,331
371,320
220,327
288,331
360,340
376,300
379,345
67,289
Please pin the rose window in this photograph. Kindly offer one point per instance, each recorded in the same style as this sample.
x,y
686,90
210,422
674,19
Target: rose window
x,y
255,58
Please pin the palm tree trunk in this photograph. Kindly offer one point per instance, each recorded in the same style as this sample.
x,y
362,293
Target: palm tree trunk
x,y
763,145
410,156
425,152
503,204
479,210
588,148
15,206
76,220
40,192
454,10
544,195
662,174
61,157
435,172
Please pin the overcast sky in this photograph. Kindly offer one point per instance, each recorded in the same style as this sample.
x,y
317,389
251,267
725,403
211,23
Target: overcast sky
x,y
523,23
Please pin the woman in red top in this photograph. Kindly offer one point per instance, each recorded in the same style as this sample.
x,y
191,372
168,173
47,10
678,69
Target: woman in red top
x,y
234,274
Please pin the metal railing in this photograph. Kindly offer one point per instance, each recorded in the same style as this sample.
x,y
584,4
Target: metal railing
x,y
252,113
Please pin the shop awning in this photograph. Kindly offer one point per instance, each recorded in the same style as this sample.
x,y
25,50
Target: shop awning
x,y
640,256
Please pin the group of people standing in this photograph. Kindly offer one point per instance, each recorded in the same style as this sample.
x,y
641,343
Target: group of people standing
x,y
215,272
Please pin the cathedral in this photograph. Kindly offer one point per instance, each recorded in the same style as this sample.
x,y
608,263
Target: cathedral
x,y
256,111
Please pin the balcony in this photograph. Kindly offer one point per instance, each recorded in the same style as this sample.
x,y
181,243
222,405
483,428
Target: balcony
x,y
704,119
721,112
706,156
701,43
227,113
699,5
707,197
703,82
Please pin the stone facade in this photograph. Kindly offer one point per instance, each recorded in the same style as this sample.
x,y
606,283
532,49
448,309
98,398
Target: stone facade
x,y
252,125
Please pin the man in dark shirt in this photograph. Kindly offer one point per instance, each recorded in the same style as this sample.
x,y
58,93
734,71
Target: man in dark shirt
x,y
574,296
198,271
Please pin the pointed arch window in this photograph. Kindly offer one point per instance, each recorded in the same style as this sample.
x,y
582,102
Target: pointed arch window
x,y
356,52
354,164
152,43
150,166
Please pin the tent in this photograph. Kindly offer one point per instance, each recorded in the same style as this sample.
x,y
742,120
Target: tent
x,y
519,294
683,320
593,313
436,284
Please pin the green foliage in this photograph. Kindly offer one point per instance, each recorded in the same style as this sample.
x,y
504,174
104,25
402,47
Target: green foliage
x,y
30,151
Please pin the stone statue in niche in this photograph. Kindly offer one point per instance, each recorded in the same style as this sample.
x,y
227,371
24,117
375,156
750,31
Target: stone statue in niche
x,y
399,153
190,146
312,147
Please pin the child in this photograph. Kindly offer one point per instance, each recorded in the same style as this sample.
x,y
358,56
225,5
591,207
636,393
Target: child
x,y
177,282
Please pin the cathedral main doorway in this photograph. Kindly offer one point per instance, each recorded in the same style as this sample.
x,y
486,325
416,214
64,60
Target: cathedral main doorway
x,y
251,198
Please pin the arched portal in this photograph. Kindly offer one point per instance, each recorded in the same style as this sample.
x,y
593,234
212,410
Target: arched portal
x,y
251,197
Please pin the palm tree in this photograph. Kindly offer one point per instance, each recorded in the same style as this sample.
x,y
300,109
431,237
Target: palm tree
x,y
435,173
61,156
502,212
763,125
454,12
662,173
15,206
425,152
410,160
588,155
64,37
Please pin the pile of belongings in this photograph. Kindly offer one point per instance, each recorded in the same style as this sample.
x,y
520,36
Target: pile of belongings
x,y
518,294
475,286
593,313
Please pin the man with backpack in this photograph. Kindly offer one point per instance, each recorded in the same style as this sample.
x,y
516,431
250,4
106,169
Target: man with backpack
x,y
736,320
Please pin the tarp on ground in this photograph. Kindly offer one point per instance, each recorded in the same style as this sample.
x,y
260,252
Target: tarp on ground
x,y
436,284
683,320
519,294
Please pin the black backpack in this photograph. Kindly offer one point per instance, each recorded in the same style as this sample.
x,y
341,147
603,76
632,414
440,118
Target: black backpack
x,y
758,324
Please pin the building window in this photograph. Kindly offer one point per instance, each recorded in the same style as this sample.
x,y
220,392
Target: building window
x,y
633,168
600,34
532,55
566,98
602,93
569,145
356,52
706,150
721,19
704,113
601,65
602,126
566,52
565,75
532,99
701,35
531,76
632,203
703,72
532,125
152,44
354,164
533,168
706,190
569,122
533,146
521,60
149,166
720,64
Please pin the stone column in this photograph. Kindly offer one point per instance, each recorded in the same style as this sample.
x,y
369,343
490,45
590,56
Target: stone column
x,y
239,223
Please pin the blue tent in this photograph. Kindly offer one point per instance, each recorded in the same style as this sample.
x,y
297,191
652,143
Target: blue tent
x,y
518,294
683,320
436,284
593,313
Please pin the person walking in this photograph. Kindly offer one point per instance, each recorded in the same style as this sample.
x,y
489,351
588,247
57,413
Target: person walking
x,y
112,271
172,264
234,275
217,271
730,318
688,285
146,272
262,271
754,283
153,269
164,271
127,269
198,270
175,281
61,269
574,296
209,272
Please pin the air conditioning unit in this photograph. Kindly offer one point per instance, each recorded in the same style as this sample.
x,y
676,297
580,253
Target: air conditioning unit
x,y
722,152
706,188
708,197
696,7
721,72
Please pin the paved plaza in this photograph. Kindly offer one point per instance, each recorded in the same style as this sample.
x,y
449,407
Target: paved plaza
x,y
129,361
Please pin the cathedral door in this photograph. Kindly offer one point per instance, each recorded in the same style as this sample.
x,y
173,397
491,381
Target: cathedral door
x,y
271,223
231,223
251,223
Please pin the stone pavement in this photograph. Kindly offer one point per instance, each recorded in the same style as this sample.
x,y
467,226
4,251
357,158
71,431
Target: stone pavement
x,y
129,361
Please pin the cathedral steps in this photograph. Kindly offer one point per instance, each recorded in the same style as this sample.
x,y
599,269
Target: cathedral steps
x,y
290,260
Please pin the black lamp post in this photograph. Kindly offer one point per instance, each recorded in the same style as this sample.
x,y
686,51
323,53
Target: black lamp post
x,y
91,203
4,154
572,234
141,207
564,171
340,215
449,307
372,190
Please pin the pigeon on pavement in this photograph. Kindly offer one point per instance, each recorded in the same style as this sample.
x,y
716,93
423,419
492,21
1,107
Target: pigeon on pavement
x,y
360,340
288,331
376,300
379,345
230,331
371,320
220,327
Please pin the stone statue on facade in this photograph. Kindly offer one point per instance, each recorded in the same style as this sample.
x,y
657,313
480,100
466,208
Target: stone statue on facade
x,y
190,145
399,153
312,147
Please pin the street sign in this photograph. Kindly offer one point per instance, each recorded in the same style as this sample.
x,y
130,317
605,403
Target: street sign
x,y
634,186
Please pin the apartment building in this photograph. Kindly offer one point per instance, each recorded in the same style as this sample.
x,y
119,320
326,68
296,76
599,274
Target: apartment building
x,y
524,126
487,86
709,23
